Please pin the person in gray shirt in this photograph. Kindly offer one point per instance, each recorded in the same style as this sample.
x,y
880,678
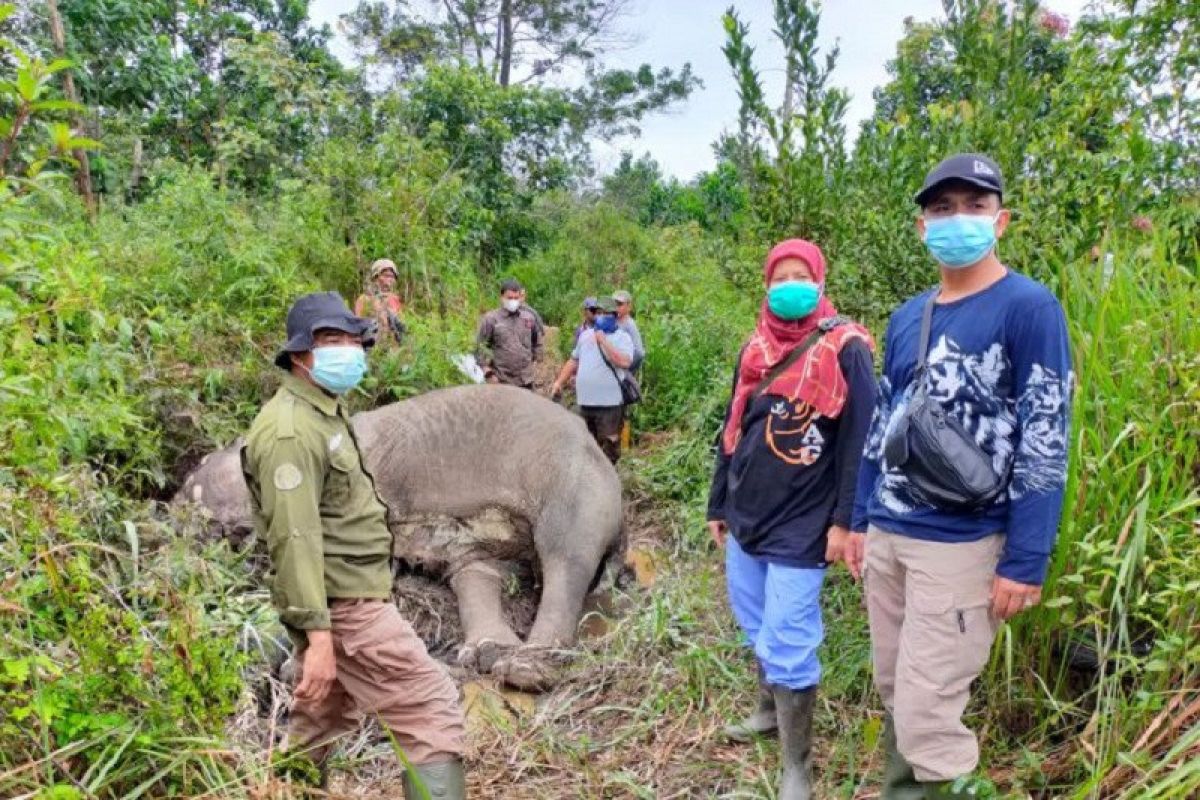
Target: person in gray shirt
x,y
602,353
625,322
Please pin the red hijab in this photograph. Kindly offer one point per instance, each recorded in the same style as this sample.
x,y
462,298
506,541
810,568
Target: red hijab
x,y
816,377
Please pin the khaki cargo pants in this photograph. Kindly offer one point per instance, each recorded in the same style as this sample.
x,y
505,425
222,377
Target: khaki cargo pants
x,y
382,669
931,632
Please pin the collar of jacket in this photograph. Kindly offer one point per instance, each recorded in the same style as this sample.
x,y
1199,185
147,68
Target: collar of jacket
x,y
311,394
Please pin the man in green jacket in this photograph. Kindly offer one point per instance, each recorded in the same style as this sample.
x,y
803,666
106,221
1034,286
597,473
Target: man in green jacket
x,y
326,530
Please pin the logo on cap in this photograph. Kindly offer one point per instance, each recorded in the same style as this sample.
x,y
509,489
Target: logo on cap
x,y
983,169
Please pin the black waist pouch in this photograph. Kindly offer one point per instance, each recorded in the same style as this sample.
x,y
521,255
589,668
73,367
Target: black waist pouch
x,y
935,452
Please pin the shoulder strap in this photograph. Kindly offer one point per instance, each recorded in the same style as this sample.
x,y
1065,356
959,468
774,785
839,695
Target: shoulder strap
x,y
779,368
926,324
608,363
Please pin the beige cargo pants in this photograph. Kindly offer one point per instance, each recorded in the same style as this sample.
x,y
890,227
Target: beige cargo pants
x,y
382,669
931,632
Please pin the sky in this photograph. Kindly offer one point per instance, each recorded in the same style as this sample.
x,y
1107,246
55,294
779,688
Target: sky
x,y
672,32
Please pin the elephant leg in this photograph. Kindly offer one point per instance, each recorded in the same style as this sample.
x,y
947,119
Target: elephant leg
x,y
486,635
572,538
564,586
530,668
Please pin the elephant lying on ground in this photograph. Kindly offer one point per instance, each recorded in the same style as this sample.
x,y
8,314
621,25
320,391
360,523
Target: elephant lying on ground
x,y
474,476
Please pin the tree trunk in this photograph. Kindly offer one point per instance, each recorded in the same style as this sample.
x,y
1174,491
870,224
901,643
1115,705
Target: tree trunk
x,y
135,174
506,42
83,177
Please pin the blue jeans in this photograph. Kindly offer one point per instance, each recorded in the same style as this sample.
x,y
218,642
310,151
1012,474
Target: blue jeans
x,y
779,610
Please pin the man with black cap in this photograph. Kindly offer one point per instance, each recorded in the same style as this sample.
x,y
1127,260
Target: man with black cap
x,y
962,478
510,339
316,507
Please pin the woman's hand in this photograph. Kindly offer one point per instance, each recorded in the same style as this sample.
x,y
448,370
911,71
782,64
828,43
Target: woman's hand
x,y
717,530
835,544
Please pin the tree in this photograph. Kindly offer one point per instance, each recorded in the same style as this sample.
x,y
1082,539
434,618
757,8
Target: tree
x,y
168,73
1157,44
639,189
521,42
791,158
514,142
26,100
83,174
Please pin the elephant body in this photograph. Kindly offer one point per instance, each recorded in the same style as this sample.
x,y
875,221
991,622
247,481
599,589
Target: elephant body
x,y
473,476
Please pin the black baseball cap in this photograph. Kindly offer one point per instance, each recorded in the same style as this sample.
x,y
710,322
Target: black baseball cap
x,y
315,311
973,168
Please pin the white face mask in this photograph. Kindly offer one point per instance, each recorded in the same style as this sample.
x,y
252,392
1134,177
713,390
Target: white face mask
x,y
511,305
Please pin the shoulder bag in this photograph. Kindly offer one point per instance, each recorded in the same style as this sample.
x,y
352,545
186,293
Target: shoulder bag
x,y
935,452
631,392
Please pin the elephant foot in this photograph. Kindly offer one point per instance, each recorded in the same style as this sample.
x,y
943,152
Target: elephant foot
x,y
527,669
483,654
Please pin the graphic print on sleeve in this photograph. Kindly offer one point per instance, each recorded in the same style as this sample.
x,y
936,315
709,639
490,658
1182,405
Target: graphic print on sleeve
x,y
1041,463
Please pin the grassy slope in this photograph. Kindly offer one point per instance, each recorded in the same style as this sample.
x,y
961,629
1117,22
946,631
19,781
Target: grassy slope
x,y
640,717
156,331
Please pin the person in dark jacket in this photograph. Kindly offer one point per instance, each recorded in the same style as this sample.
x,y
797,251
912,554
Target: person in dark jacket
x,y
783,489
510,339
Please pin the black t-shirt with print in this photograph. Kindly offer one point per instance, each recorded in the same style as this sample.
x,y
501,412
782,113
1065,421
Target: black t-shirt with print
x,y
793,474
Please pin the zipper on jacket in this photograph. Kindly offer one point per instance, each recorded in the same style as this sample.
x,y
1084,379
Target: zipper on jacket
x,y
962,623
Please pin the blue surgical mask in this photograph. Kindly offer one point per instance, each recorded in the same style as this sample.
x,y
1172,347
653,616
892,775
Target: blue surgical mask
x,y
793,299
961,240
338,368
606,323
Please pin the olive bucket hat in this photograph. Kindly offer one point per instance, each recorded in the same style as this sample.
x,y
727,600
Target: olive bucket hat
x,y
315,311
381,266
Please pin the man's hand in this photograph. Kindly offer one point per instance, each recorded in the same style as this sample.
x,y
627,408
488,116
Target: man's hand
x,y
854,553
1010,598
319,670
556,391
717,530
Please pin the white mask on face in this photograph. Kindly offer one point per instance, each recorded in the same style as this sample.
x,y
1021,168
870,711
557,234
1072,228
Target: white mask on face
x,y
511,305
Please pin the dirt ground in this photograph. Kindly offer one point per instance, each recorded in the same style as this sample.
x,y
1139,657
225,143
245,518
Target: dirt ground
x,y
501,722
497,717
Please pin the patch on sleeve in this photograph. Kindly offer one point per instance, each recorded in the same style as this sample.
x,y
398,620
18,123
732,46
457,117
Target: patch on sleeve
x,y
287,477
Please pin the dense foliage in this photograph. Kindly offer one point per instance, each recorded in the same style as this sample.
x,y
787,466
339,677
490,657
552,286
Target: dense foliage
x,y
240,165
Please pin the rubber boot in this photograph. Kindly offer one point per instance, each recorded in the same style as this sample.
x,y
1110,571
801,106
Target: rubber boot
x,y
442,781
760,722
794,710
899,782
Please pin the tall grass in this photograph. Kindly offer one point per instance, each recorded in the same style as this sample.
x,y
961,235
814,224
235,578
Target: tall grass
x,y
1117,643
174,307
1096,693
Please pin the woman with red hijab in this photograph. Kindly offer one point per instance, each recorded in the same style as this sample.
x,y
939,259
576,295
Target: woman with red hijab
x,y
783,489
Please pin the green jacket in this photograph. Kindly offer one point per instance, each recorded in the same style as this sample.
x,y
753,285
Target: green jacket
x,y
315,505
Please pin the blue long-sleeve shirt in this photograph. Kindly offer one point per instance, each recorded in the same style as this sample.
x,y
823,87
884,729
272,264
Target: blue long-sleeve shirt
x,y
1000,361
